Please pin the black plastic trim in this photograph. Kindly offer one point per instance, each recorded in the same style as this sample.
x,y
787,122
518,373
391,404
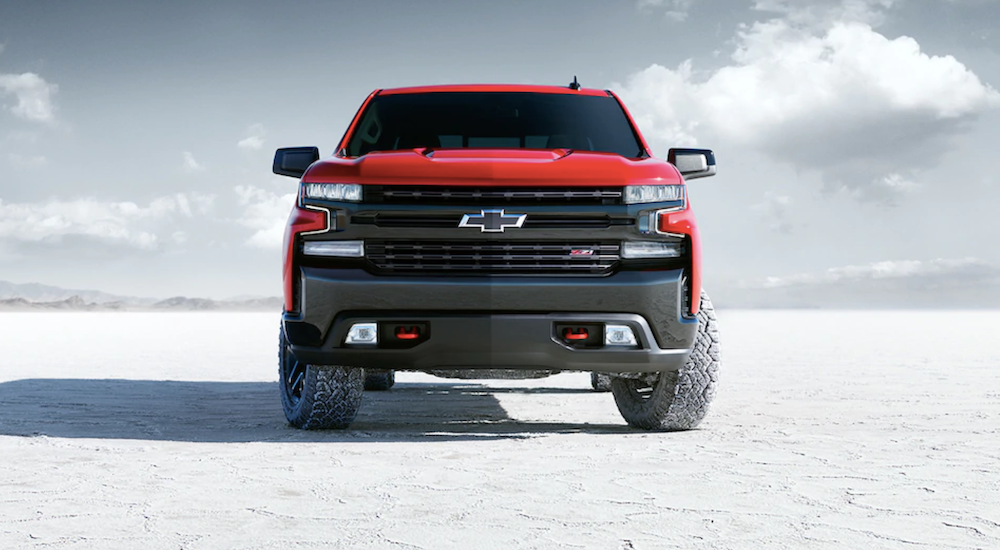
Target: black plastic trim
x,y
476,340
654,295
294,161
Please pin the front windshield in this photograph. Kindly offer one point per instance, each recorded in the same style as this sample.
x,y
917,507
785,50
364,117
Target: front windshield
x,y
524,120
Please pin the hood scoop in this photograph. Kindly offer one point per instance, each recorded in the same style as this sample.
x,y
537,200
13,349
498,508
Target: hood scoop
x,y
512,167
472,154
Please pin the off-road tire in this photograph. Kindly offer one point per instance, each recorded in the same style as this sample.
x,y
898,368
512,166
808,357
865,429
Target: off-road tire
x,y
380,381
600,382
679,400
317,397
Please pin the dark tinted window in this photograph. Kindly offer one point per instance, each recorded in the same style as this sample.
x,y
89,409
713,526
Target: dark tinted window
x,y
495,120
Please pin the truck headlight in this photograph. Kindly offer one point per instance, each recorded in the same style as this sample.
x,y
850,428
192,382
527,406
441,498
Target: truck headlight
x,y
337,249
350,192
651,249
637,194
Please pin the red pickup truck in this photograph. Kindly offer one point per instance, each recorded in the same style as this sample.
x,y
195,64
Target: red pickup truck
x,y
482,231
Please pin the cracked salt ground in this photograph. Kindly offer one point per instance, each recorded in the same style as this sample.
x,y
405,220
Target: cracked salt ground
x,y
829,430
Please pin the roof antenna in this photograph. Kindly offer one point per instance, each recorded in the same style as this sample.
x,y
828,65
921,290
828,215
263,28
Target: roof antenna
x,y
574,85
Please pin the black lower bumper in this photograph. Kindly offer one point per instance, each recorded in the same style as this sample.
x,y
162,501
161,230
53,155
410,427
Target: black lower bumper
x,y
492,323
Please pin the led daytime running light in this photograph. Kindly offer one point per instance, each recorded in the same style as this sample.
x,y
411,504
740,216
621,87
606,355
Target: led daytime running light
x,y
638,194
350,192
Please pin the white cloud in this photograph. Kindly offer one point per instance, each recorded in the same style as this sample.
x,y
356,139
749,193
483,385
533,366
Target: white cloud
x,y
116,223
940,283
824,12
27,161
885,270
266,213
897,183
673,9
773,211
865,111
254,140
190,165
33,94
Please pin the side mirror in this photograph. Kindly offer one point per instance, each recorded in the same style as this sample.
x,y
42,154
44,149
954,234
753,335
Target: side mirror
x,y
693,163
293,161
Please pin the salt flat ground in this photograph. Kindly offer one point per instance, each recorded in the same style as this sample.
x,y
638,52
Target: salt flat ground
x,y
830,430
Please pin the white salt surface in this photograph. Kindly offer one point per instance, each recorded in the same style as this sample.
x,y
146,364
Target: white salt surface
x,y
830,430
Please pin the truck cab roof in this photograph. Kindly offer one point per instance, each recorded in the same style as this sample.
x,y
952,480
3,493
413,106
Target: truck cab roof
x,y
534,88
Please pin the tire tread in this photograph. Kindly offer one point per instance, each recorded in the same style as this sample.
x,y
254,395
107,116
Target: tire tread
x,y
680,399
331,395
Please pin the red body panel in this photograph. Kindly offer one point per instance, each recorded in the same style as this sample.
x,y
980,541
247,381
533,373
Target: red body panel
x,y
683,223
354,123
628,115
300,220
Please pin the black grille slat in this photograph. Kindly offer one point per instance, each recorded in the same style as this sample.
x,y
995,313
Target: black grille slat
x,y
449,220
486,257
438,194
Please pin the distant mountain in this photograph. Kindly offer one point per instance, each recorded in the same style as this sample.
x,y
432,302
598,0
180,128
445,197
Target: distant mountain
x,y
187,304
181,303
34,292
24,297
274,303
73,303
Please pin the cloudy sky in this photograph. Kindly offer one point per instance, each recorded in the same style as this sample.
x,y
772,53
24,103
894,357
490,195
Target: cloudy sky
x,y
855,137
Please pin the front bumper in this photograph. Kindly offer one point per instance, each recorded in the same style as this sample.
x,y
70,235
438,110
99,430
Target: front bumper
x,y
493,322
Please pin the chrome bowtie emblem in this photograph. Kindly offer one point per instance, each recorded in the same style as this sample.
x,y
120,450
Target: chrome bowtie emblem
x,y
492,221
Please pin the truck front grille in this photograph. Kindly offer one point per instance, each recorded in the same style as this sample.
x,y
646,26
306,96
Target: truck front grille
x,y
494,257
494,196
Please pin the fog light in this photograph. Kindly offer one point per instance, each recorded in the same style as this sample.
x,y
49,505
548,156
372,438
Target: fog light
x,y
340,249
362,333
619,335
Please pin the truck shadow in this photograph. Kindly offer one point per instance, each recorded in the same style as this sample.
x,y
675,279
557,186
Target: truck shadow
x,y
251,411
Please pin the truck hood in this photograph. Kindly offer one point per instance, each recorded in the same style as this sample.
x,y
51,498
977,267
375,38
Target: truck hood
x,y
493,167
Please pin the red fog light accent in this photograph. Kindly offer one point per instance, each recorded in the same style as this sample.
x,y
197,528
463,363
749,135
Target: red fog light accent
x,y
581,334
408,334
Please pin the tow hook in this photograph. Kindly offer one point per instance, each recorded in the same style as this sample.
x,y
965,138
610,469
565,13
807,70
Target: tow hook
x,y
580,335
411,333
